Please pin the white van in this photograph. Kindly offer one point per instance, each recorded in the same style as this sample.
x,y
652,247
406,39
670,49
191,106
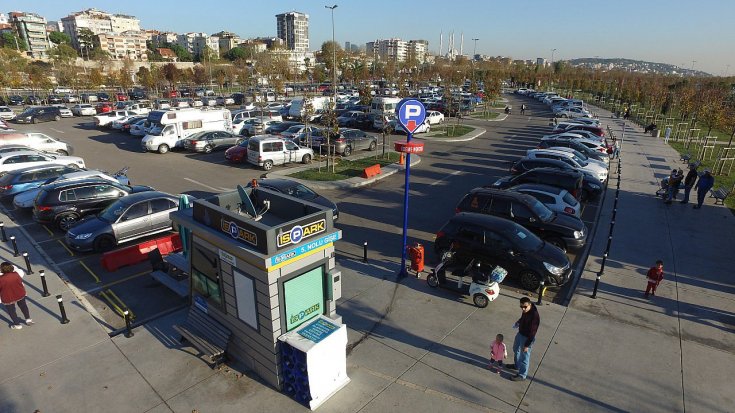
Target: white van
x,y
173,126
268,150
37,141
318,103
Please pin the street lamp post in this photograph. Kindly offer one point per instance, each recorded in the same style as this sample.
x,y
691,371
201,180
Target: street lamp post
x,y
474,52
334,80
551,78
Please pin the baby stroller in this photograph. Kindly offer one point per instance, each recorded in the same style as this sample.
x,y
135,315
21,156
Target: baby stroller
x,y
664,189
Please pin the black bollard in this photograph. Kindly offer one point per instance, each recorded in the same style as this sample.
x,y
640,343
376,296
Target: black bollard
x,y
540,292
597,284
128,330
15,246
2,229
364,252
29,270
42,274
64,319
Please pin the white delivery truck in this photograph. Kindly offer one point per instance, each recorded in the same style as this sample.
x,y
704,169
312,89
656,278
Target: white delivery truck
x,y
173,126
317,103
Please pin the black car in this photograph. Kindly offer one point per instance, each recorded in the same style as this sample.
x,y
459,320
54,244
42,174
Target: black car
x,y
572,181
362,121
238,97
64,203
15,100
298,190
566,142
137,94
39,114
591,186
52,99
34,100
505,243
103,96
562,230
277,128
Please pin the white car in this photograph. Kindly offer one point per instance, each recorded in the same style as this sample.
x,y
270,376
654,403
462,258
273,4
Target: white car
x,y
22,159
423,128
65,112
599,172
434,117
83,110
26,199
162,104
106,119
581,155
6,113
118,123
139,128
572,113
209,101
222,101
593,144
556,199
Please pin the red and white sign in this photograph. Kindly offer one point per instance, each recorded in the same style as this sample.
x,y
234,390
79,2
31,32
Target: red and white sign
x,y
409,147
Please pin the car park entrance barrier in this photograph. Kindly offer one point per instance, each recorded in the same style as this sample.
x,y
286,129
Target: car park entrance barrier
x,y
113,260
371,171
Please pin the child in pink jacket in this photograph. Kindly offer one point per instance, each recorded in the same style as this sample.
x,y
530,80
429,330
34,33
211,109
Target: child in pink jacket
x,y
498,353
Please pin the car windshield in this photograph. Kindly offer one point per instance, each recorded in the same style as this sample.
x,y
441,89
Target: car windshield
x,y
301,191
579,160
112,212
523,238
543,212
294,129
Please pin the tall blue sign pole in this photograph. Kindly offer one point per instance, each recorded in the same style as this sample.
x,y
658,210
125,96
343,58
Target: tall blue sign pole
x,y
411,114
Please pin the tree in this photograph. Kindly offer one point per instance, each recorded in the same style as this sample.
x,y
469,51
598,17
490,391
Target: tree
x,y
12,65
96,78
9,40
171,73
200,76
145,78
235,53
63,53
181,53
38,75
59,38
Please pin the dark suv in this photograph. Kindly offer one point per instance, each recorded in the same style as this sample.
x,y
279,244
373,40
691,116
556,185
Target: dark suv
x,y
591,186
64,203
39,114
562,230
507,244
570,180
20,180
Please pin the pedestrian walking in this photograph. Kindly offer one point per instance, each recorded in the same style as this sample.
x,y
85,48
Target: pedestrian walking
x,y
498,353
527,326
689,181
615,152
705,183
523,109
655,275
13,292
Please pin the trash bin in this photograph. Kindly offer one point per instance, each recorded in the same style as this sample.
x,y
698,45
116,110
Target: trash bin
x,y
656,133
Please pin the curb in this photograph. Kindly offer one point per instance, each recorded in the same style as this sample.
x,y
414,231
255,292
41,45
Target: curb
x,y
462,138
501,117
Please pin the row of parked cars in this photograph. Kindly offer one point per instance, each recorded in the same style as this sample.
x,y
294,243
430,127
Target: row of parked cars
x,y
527,221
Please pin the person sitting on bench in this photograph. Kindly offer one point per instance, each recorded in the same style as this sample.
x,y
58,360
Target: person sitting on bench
x,y
650,127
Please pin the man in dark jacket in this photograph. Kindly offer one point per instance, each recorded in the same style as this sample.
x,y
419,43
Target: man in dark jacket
x,y
689,181
527,326
706,182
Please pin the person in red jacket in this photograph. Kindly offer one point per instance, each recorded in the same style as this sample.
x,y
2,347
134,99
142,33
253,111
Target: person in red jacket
x,y
13,292
527,327
655,275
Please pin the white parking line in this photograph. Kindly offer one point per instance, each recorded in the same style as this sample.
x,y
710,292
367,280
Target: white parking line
x,y
448,176
56,130
202,184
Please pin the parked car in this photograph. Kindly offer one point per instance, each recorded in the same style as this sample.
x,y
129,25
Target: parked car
x,y
121,97
129,122
139,128
22,159
63,204
595,169
423,128
37,141
15,100
39,114
89,98
347,141
296,130
6,113
83,109
69,98
297,190
103,96
118,124
502,242
103,107
53,99
65,112
208,101
33,100
591,186
572,112
434,117
556,199
162,104
26,198
223,101
593,144
565,142
24,179
347,118
212,140
126,219
562,230
238,153
278,127
266,151
256,126
106,119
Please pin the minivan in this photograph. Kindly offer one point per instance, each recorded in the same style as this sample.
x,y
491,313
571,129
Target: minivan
x,y
507,244
268,150
37,141
562,230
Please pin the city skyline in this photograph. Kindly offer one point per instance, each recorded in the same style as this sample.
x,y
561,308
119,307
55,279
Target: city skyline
x,y
655,31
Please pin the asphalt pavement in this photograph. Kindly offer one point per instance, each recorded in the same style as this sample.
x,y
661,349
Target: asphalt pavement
x,y
413,348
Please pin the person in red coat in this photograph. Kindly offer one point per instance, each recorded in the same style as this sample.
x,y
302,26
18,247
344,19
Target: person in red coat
x,y
13,292
655,275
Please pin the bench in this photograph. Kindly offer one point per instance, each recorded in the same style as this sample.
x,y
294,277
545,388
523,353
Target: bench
x,y
720,194
205,334
685,157
180,287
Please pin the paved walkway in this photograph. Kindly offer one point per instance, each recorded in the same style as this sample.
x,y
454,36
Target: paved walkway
x,y
415,349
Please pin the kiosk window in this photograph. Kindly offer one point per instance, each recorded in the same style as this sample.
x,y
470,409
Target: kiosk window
x,y
304,297
205,275
247,309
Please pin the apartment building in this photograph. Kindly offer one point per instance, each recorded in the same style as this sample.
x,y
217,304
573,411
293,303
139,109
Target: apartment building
x,y
293,28
398,50
98,22
31,30
123,45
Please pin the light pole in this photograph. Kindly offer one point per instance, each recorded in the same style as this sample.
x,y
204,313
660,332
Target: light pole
x,y
334,79
551,78
474,52
474,49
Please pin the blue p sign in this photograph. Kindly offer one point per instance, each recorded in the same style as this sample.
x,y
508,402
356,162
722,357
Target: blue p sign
x,y
411,113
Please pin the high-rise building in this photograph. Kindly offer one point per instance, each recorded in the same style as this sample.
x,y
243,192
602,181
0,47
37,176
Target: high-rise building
x,y
31,30
540,61
98,22
131,45
348,46
398,50
293,28
417,50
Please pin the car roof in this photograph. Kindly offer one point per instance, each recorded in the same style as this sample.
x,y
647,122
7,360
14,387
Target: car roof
x,y
279,183
147,195
556,171
16,153
489,221
501,192
35,168
81,182
540,188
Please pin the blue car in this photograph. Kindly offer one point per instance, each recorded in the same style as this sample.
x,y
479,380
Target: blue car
x,y
21,180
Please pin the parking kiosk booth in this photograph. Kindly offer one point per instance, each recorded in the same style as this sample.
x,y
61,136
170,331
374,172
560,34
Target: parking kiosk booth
x,y
264,268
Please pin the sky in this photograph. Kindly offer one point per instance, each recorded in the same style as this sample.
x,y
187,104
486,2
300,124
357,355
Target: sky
x,y
688,34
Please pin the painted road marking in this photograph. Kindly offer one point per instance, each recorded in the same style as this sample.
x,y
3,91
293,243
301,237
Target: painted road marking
x,y
202,184
120,281
96,278
448,176
56,130
48,230
71,253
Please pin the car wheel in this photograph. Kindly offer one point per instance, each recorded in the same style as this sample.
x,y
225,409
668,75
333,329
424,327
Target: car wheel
x,y
557,242
57,118
62,152
347,151
267,165
66,221
163,148
480,300
432,280
306,158
530,281
104,243
373,145
208,149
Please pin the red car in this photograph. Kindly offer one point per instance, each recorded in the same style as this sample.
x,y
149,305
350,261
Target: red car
x,y
238,153
173,94
120,96
103,107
